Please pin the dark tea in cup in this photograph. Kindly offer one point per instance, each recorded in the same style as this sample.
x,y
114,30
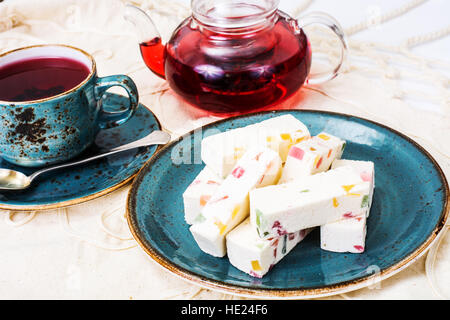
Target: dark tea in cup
x,y
51,104
39,78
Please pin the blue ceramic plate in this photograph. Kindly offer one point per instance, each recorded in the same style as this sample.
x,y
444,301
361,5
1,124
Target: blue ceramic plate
x,y
409,211
79,184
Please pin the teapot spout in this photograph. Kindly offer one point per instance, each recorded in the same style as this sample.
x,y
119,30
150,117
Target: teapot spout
x,y
153,51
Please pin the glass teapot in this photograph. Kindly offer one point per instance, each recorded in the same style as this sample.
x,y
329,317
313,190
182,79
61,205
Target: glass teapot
x,y
234,56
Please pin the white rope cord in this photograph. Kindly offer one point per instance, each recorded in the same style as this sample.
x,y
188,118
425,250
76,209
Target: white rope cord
x,y
196,294
384,66
24,38
377,118
430,262
373,116
10,21
103,54
70,29
396,49
105,229
325,39
65,223
162,8
73,24
162,91
345,296
136,67
359,47
302,7
226,297
384,17
9,218
424,74
175,295
428,37
162,116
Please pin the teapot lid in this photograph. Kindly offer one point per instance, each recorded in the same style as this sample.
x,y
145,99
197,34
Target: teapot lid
x,y
233,13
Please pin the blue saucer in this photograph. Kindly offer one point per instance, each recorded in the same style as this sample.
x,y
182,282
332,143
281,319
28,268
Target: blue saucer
x,y
79,184
409,210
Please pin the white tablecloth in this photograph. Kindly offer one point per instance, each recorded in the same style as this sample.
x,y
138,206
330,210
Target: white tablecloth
x,y
87,252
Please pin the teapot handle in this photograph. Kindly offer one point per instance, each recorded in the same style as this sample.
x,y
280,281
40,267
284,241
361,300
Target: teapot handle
x,y
330,22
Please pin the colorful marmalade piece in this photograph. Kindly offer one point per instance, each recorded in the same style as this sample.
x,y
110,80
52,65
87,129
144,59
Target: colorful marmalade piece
x,y
335,203
296,153
348,189
229,206
255,256
238,172
324,136
238,153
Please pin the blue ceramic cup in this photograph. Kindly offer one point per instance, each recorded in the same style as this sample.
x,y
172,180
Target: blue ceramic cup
x,y
58,128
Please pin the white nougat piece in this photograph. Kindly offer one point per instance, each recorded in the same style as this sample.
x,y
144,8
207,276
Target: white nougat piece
x,y
199,193
312,156
229,206
220,152
365,169
347,235
314,201
255,256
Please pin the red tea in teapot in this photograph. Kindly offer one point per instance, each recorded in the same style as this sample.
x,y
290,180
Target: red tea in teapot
x,y
153,54
227,73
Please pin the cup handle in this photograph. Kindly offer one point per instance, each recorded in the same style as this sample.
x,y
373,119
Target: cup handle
x,y
330,22
109,119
